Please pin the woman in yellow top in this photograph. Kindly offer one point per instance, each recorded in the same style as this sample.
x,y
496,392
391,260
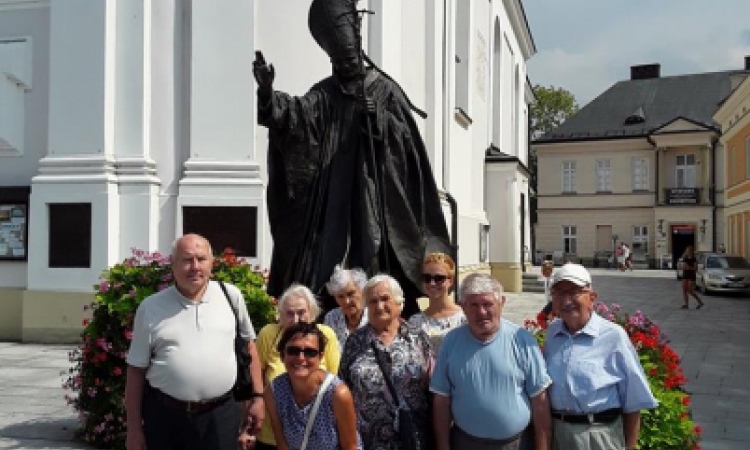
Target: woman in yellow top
x,y
297,304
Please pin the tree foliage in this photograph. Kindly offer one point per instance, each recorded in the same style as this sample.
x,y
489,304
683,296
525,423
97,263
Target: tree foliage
x,y
551,108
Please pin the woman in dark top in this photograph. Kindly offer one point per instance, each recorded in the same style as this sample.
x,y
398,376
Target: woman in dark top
x,y
689,266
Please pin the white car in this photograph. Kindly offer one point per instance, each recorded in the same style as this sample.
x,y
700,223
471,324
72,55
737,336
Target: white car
x,y
719,272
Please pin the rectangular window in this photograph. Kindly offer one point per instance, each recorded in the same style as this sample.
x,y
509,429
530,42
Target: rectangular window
x,y
685,171
640,240
70,235
225,227
603,175
570,239
569,176
640,174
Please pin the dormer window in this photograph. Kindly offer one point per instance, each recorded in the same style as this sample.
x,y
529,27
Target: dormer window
x,y
637,117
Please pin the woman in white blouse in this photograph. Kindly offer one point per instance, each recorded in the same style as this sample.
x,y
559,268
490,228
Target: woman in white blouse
x,y
442,314
346,286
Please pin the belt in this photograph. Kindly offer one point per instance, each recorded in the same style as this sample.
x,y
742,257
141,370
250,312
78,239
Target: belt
x,y
486,441
607,416
191,407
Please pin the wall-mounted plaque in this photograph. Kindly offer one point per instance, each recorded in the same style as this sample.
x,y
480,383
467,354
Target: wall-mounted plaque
x,y
14,219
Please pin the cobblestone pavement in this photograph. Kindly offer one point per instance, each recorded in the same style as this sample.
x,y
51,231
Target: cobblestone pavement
x,y
712,343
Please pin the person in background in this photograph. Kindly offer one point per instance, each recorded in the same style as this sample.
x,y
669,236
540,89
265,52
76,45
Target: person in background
x,y
490,380
182,364
689,267
346,287
297,304
598,385
407,357
547,314
291,396
442,314
628,255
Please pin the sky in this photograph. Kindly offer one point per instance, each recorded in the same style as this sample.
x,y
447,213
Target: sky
x,y
586,46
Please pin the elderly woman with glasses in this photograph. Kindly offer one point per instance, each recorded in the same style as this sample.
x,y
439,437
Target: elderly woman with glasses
x,y
442,314
388,351
306,396
346,287
297,304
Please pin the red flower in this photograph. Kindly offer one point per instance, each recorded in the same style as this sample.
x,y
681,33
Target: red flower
x,y
698,430
86,322
686,401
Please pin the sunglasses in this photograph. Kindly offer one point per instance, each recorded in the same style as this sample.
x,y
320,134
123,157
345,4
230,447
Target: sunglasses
x,y
293,350
438,279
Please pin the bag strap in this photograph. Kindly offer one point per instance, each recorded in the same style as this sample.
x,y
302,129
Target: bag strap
x,y
314,410
386,376
231,306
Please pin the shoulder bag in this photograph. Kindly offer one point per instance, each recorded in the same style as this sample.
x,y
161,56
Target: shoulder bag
x,y
243,385
314,410
408,432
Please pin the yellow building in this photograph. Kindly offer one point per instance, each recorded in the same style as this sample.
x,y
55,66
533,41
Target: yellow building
x,y
641,164
734,119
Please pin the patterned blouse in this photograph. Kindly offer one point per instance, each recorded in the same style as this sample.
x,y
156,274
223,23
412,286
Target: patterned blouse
x,y
409,359
336,320
324,432
437,328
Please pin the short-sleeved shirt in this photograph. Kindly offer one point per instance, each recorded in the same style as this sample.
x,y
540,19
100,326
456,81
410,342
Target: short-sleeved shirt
x,y
437,327
595,369
408,359
337,321
323,432
490,383
272,366
186,347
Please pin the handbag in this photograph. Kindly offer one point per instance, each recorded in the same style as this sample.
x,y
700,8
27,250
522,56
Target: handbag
x,y
408,432
243,385
314,410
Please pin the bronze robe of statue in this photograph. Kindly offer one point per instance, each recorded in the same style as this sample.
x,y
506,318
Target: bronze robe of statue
x,y
322,187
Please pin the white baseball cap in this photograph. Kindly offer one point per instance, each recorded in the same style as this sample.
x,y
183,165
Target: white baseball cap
x,y
575,273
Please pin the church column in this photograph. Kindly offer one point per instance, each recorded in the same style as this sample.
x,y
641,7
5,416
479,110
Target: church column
x,y
222,169
80,165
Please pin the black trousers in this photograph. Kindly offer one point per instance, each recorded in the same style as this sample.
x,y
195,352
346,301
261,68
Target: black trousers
x,y
168,428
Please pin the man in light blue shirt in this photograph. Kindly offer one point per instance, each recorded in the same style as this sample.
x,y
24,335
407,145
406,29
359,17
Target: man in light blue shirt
x,y
599,386
490,379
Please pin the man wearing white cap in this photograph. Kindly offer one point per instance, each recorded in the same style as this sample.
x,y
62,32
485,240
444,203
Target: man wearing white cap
x,y
598,384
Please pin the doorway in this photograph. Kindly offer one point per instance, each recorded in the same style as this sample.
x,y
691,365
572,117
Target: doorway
x,y
683,236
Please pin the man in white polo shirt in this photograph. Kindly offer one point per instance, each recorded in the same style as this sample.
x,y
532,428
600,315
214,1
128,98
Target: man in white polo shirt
x,y
182,365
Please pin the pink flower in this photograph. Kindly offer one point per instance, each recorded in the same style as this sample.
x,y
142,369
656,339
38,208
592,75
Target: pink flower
x,y
104,287
128,335
117,371
162,286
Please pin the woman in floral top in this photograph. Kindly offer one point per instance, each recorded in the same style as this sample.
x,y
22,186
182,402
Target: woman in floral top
x,y
408,359
346,287
443,314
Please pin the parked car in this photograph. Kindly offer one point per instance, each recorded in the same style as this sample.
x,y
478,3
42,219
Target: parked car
x,y
720,272
698,258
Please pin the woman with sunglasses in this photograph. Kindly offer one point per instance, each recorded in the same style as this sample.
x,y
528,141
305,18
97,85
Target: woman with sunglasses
x,y
307,393
388,351
297,304
346,287
442,314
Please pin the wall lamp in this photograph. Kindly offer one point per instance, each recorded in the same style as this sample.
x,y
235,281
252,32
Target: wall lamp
x,y
703,226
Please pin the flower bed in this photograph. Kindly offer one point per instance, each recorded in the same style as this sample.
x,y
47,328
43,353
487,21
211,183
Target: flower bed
x,y
96,383
669,426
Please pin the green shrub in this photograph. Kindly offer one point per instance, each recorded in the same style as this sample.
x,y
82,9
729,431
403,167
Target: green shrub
x,y
95,383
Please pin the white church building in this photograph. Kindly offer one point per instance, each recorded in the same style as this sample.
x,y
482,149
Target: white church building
x,y
125,122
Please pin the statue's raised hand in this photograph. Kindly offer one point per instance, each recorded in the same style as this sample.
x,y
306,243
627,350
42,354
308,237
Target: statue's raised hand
x,y
264,73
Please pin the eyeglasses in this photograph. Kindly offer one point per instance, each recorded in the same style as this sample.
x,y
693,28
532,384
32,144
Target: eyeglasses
x,y
309,353
427,278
